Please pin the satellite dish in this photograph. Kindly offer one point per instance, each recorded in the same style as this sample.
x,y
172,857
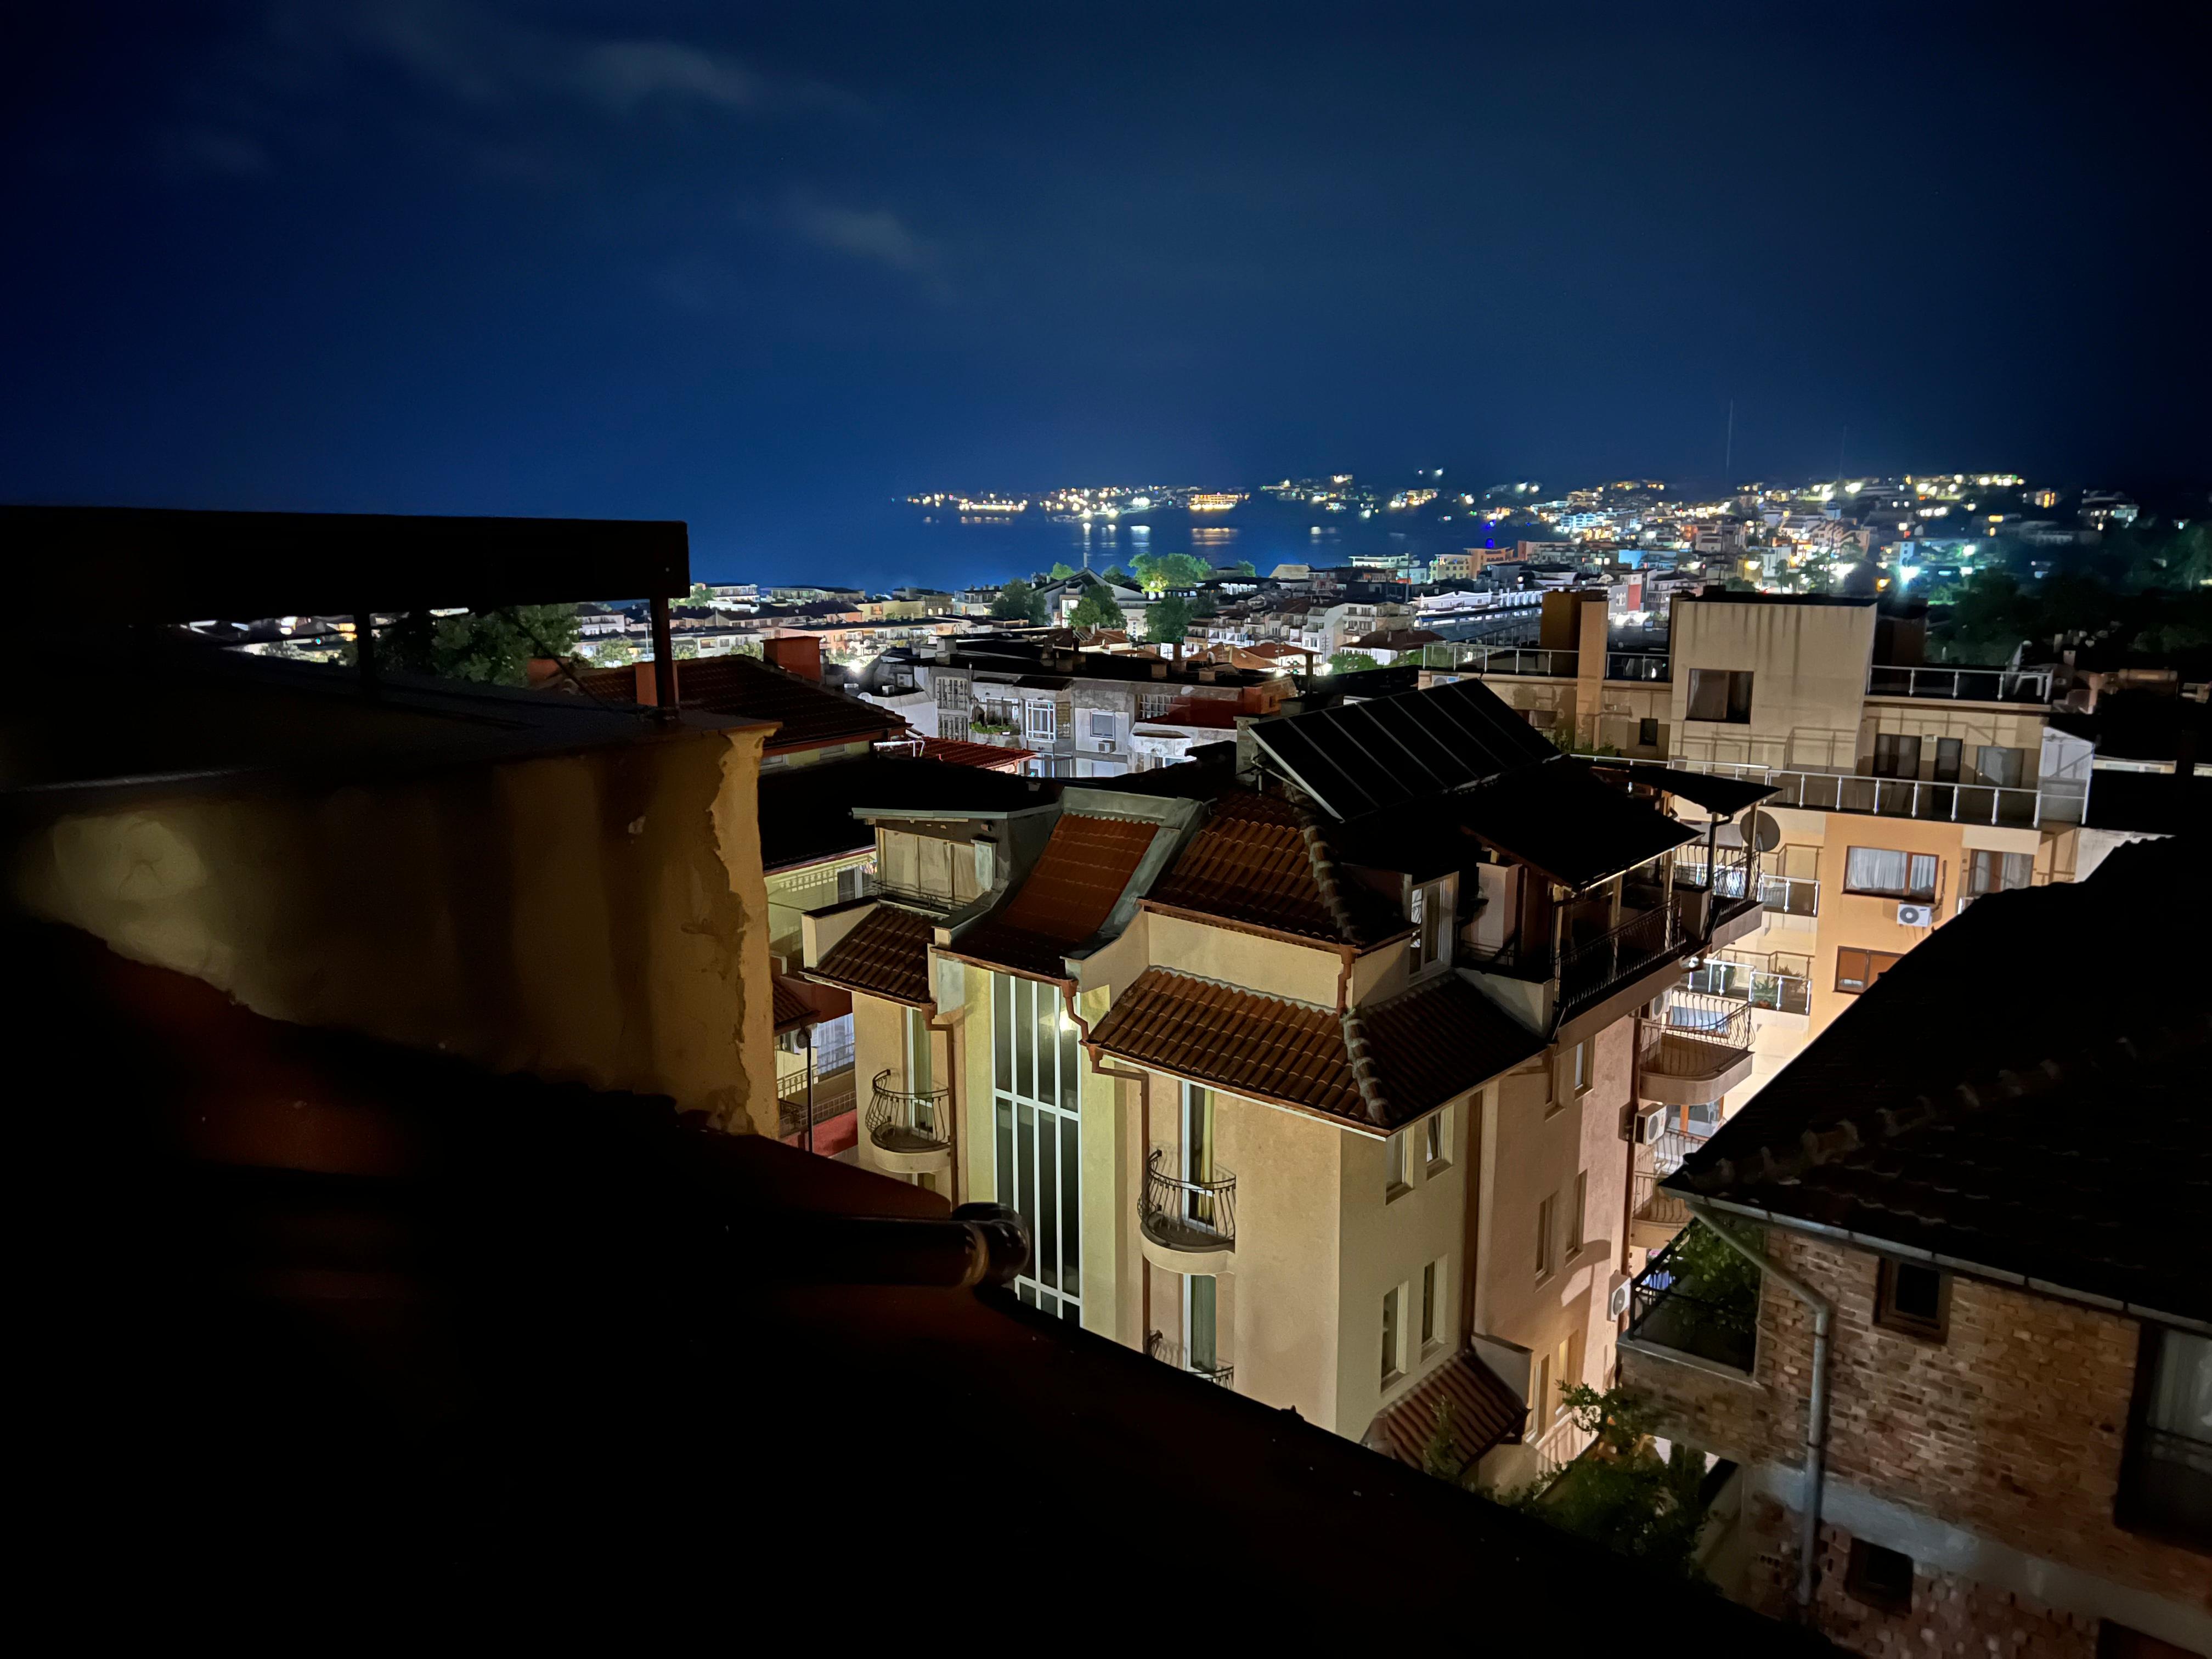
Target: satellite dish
x,y
1766,833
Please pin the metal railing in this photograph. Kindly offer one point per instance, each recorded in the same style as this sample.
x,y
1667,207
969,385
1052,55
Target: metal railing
x,y
1757,986
1178,1213
1975,684
1789,896
1590,966
1542,662
2059,800
914,898
1561,1444
1654,1205
1730,873
1157,1346
909,1120
1666,1310
1700,1014
1644,667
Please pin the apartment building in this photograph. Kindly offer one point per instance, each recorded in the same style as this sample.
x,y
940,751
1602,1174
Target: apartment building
x,y
1960,1359
1311,1062
1902,792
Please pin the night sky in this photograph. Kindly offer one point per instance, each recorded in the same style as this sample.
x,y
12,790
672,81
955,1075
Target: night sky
x,y
761,268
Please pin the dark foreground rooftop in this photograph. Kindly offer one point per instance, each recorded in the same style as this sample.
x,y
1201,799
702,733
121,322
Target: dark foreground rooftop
x,y
317,1329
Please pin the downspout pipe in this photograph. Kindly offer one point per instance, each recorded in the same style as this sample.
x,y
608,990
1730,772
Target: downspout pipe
x,y
1816,1419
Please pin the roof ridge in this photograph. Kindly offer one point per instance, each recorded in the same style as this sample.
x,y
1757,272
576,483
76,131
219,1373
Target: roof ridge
x,y
1241,990
1321,864
1974,1093
1363,1065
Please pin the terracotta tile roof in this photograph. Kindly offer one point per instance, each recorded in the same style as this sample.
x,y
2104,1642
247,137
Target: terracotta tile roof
x,y
1427,1045
1251,863
2057,1136
1485,1413
887,955
1067,897
792,1010
985,757
806,713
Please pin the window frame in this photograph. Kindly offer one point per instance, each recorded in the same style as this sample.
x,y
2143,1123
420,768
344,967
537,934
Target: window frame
x,y
1910,894
1547,1244
1395,1171
1734,696
1866,981
2130,1511
1860,1581
1436,1140
1394,1334
1891,1317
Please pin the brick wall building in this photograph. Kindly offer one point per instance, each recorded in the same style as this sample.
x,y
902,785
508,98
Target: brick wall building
x,y
2018,1432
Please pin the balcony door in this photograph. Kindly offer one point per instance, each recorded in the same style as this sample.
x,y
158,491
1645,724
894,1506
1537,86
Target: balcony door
x,y
1036,1098
917,1074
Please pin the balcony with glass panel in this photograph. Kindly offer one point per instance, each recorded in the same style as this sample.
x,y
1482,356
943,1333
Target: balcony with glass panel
x,y
1186,1223
910,1128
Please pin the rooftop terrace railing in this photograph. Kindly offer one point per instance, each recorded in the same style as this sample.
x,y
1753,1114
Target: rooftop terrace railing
x,y
1967,684
1590,966
2059,801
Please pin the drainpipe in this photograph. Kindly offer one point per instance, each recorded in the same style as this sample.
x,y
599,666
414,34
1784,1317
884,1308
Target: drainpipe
x,y
1816,1419
1144,1082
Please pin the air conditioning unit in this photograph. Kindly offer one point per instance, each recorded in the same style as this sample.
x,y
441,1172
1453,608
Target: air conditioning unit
x,y
1616,1299
1646,1124
1916,915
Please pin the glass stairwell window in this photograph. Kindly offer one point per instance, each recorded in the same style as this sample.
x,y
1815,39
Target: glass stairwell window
x,y
1036,1098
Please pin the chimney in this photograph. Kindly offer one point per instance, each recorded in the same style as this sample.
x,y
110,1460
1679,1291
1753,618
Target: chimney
x,y
798,653
1159,669
647,687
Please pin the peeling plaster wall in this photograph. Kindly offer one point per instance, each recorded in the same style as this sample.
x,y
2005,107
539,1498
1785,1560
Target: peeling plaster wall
x,y
597,918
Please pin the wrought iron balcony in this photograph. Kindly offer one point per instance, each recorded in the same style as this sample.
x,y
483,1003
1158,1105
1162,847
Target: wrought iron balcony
x,y
1158,1346
909,1123
1177,1213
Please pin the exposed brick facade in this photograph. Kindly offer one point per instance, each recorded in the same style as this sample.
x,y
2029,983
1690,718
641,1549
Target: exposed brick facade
x,y
2012,1427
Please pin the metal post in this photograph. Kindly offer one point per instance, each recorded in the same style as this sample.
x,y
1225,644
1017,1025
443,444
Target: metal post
x,y
664,669
807,1140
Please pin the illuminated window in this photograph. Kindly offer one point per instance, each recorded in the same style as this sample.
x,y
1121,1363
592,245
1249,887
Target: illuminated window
x,y
1721,693
1036,1089
1887,874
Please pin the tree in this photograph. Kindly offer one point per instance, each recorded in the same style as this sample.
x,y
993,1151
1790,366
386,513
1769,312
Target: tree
x,y
1118,577
490,647
700,594
1158,572
1620,1492
1203,608
1350,662
1242,567
1019,601
1062,571
1097,609
1168,621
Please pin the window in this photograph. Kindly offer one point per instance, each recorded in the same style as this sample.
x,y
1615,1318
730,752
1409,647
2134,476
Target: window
x,y
1879,1578
1571,1075
1431,1283
2166,1474
1998,873
1856,970
1580,1215
1887,874
1035,1078
918,1069
1563,1376
1721,693
1540,1394
1101,724
1581,1066
1429,907
1546,1237
1153,705
1390,1333
1896,756
1647,734
1042,719
1201,1349
1394,1154
1914,1300
1435,1139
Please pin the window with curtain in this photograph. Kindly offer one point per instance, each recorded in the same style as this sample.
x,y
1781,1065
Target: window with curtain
x,y
1887,874
1998,872
1856,970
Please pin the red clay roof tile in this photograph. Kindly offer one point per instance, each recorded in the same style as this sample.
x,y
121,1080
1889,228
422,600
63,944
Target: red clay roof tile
x,y
1067,897
886,955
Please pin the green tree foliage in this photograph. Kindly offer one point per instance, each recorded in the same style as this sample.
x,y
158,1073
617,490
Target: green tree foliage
x,y
1242,567
491,647
1097,609
1168,621
1019,601
700,594
1062,570
1158,572
1118,577
1621,1493
1350,662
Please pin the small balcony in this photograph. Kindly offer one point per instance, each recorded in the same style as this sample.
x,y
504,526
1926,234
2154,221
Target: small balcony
x,y
1699,1050
1189,1226
1593,965
1697,1301
910,1129
1157,1346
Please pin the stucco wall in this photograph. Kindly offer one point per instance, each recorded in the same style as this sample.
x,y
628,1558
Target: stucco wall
x,y
1289,1244
597,918
1808,663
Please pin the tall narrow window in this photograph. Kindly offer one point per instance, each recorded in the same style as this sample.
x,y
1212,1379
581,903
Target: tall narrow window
x,y
1581,1214
1198,1154
1436,1137
918,1082
1546,1235
1540,1396
1428,1304
1200,1337
1390,1321
1394,1154
1035,1091
1563,1378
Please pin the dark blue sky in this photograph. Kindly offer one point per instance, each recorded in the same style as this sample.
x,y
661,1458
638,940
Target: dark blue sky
x,y
730,263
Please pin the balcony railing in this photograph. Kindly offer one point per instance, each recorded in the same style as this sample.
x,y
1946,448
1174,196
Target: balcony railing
x,y
1757,983
1656,1207
1158,1346
1561,1444
1647,667
914,898
1702,1015
1538,662
1789,896
1590,966
909,1120
1670,1308
1974,685
1178,1213
2057,800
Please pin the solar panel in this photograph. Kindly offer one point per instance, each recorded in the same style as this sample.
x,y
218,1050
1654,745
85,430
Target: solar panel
x,y
1356,758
